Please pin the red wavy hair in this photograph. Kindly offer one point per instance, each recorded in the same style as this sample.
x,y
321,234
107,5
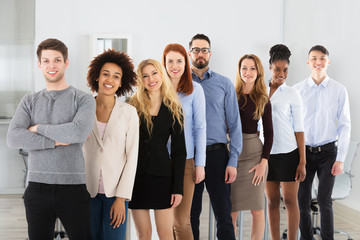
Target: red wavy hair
x,y
185,85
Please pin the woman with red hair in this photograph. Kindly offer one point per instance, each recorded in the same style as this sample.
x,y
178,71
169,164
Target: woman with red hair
x,y
192,100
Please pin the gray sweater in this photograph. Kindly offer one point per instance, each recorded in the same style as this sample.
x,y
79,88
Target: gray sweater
x,y
65,116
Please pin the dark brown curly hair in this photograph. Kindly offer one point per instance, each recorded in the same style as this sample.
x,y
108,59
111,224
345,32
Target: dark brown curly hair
x,y
128,80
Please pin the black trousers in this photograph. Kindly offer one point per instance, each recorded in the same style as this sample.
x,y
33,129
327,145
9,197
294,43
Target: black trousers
x,y
219,193
320,163
46,202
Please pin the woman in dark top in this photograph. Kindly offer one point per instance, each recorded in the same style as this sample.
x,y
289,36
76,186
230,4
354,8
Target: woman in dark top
x,y
159,176
247,192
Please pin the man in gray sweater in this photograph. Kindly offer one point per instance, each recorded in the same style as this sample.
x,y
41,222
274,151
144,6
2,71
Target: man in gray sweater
x,y
52,125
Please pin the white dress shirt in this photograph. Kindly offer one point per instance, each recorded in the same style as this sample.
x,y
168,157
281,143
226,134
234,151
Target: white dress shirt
x,y
326,114
287,116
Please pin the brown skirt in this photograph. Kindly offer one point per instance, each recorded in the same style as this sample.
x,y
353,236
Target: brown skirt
x,y
244,194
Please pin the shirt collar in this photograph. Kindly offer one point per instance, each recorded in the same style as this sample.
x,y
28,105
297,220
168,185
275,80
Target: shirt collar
x,y
281,87
324,83
207,74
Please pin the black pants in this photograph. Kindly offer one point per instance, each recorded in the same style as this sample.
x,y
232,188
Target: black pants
x,y
321,163
46,202
219,192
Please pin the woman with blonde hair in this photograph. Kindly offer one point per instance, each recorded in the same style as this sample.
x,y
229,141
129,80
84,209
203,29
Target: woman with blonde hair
x,y
247,192
192,99
160,176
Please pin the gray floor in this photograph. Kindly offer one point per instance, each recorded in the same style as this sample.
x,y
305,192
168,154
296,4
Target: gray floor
x,y
13,224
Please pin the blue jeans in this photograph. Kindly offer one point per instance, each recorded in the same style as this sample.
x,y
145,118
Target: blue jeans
x,y
219,193
320,163
101,229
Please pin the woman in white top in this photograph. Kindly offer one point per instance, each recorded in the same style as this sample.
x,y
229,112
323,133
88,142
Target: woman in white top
x,y
287,157
111,150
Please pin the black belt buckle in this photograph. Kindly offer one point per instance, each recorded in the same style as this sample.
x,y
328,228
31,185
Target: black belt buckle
x,y
315,149
322,148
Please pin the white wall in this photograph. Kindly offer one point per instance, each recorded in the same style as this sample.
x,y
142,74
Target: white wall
x,y
16,40
235,27
16,19
335,25
153,24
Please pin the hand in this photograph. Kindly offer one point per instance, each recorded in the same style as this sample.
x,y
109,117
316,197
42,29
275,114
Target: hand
x,y
61,144
230,174
199,174
337,168
33,128
175,200
300,172
260,170
117,212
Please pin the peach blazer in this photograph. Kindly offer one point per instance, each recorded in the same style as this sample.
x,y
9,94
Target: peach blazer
x,y
116,154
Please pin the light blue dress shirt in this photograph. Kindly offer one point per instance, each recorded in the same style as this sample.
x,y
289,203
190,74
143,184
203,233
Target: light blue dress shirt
x,y
222,113
326,114
287,115
193,106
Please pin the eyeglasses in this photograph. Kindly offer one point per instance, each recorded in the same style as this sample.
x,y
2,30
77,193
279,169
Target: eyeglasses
x,y
196,50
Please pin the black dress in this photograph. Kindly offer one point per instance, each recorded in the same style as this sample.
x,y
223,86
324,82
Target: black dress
x,y
159,174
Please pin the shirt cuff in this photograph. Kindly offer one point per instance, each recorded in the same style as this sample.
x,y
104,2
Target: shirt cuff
x,y
232,162
48,143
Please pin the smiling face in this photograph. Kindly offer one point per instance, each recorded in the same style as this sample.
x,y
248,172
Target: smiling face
x,y
318,62
53,66
109,79
248,70
279,72
175,65
151,78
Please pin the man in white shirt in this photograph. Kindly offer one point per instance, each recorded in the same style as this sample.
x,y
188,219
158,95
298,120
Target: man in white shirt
x,y
327,136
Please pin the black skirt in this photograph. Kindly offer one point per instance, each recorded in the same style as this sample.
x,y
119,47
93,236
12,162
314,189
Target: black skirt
x,y
282,166
151,192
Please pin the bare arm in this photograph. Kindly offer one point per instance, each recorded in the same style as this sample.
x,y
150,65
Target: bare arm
x,y
301,169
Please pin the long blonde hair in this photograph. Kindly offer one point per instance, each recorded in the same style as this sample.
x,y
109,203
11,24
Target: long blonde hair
x,y
141,100
258,93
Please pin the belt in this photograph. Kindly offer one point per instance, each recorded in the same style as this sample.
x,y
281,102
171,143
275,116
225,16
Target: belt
x,y
214,146
322,148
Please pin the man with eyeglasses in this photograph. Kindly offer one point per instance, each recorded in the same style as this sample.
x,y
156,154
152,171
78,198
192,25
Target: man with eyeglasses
x,y
222,118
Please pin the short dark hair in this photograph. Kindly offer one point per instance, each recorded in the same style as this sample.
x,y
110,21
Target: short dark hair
x,y
279,52
199,36
319,48
52,44
128,79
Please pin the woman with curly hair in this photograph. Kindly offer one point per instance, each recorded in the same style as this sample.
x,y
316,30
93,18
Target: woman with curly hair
x,y
192,99
287,158
160,176
247,192
111,150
